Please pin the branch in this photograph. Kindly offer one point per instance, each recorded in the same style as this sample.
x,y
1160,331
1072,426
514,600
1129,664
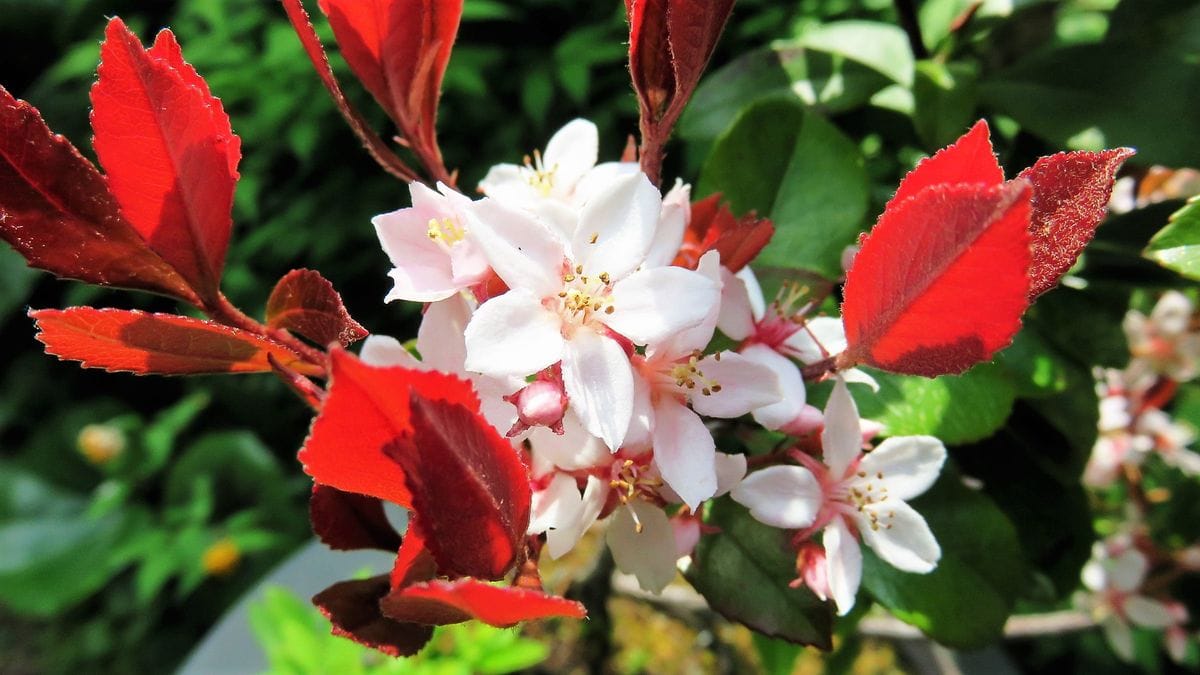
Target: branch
x,y
1020,626
907,12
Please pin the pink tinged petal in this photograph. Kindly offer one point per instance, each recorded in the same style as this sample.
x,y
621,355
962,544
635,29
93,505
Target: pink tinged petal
x,y
643,544
843,560
652,305
758,306
672,222
737,385
575,449
736,318
1176,641
639,437
1119,636
790,406
555,506
599,382
616,227
810,420
383,351
908,465
422,270
697,337
468,264
687,535
900,536
787,497
819,338
841,440
684,452
560,540
1147,613
731,469
440,336
524,251
571,152
512,335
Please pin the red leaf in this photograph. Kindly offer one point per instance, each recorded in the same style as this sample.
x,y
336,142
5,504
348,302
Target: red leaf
x,y
353,609
446,602
414,563
970,159
942,281
57,212
1070,196
366,412
170,158
399,49
130,341
469,487
305,302
345,521
713,227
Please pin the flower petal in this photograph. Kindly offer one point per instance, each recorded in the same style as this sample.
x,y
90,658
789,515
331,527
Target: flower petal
x,y
900,536
561,539
599,382
731,469
908,465
651,305
525,252
440,336
508,183
383,351
512,334
737,312
684,452
676,212
1120,637
790,405
1147,613
556,505
787,497
738,386
758,305
843,559
641,424
616,227
571,152
422,271
819,338
573,450
842,438
643,544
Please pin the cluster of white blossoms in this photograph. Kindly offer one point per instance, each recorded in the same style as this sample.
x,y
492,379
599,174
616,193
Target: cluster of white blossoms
x,y
557,296
1165,351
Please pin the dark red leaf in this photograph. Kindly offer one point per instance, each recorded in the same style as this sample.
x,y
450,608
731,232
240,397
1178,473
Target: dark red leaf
x,y
366,412
130,341
445,602
1070,196
970,159
305,302
714,227
168,152
469,487
942,281
371,141
353,609
57,212
345,521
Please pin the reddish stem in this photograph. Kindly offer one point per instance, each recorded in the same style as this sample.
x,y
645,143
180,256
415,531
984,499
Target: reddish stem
x,y
225,312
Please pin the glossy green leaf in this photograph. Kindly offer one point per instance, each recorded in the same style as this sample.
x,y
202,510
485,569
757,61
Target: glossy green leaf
x,y
1177,246
955,408
795,167
964,602
944,95
743,571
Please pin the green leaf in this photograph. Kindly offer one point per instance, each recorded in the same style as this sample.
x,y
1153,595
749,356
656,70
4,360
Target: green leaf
x,y
237,462
944,95
955,408
744,570
1177,246
1037,369
159,437
798,169
964,602
16,280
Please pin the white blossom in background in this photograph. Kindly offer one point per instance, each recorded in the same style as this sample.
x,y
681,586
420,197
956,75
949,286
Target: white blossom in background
x,y
852,495
1166,341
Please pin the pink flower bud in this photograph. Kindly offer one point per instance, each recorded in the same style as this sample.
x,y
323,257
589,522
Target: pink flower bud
x,y
813,570
539,404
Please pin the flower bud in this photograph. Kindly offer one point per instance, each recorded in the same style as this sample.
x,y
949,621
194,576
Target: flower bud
x,y
101,443
812,570
539,404
221,557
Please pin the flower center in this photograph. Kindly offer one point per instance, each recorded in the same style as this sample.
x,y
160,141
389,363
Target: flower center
x,y
445,231
584,295
864,491
630,481
687,375
538,176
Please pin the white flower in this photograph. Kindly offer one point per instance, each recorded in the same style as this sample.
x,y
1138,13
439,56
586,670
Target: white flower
x,y
563,513
853,495
429,246
1166,340
582,301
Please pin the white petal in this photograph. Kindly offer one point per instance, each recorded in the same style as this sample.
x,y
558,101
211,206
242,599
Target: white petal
x,y
841,440
616,227
819,338
422,270
560,540
384,351
758,306
651,305
737,313
649,554
508,183
791,404
684,452
524,251
1126,571
555,506
595,181
571,152
573,450
902,538
745,385
843,559
1120,637
787,497
638,438
499,413
512,334
857,376
599,382
672,222
440,337
909,465
697,337
1147,613
731,469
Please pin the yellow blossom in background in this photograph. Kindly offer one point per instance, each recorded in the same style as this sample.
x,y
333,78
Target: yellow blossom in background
x,y
101,443
221,557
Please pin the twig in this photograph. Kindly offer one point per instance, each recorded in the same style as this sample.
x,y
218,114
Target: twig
x,y
907,12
